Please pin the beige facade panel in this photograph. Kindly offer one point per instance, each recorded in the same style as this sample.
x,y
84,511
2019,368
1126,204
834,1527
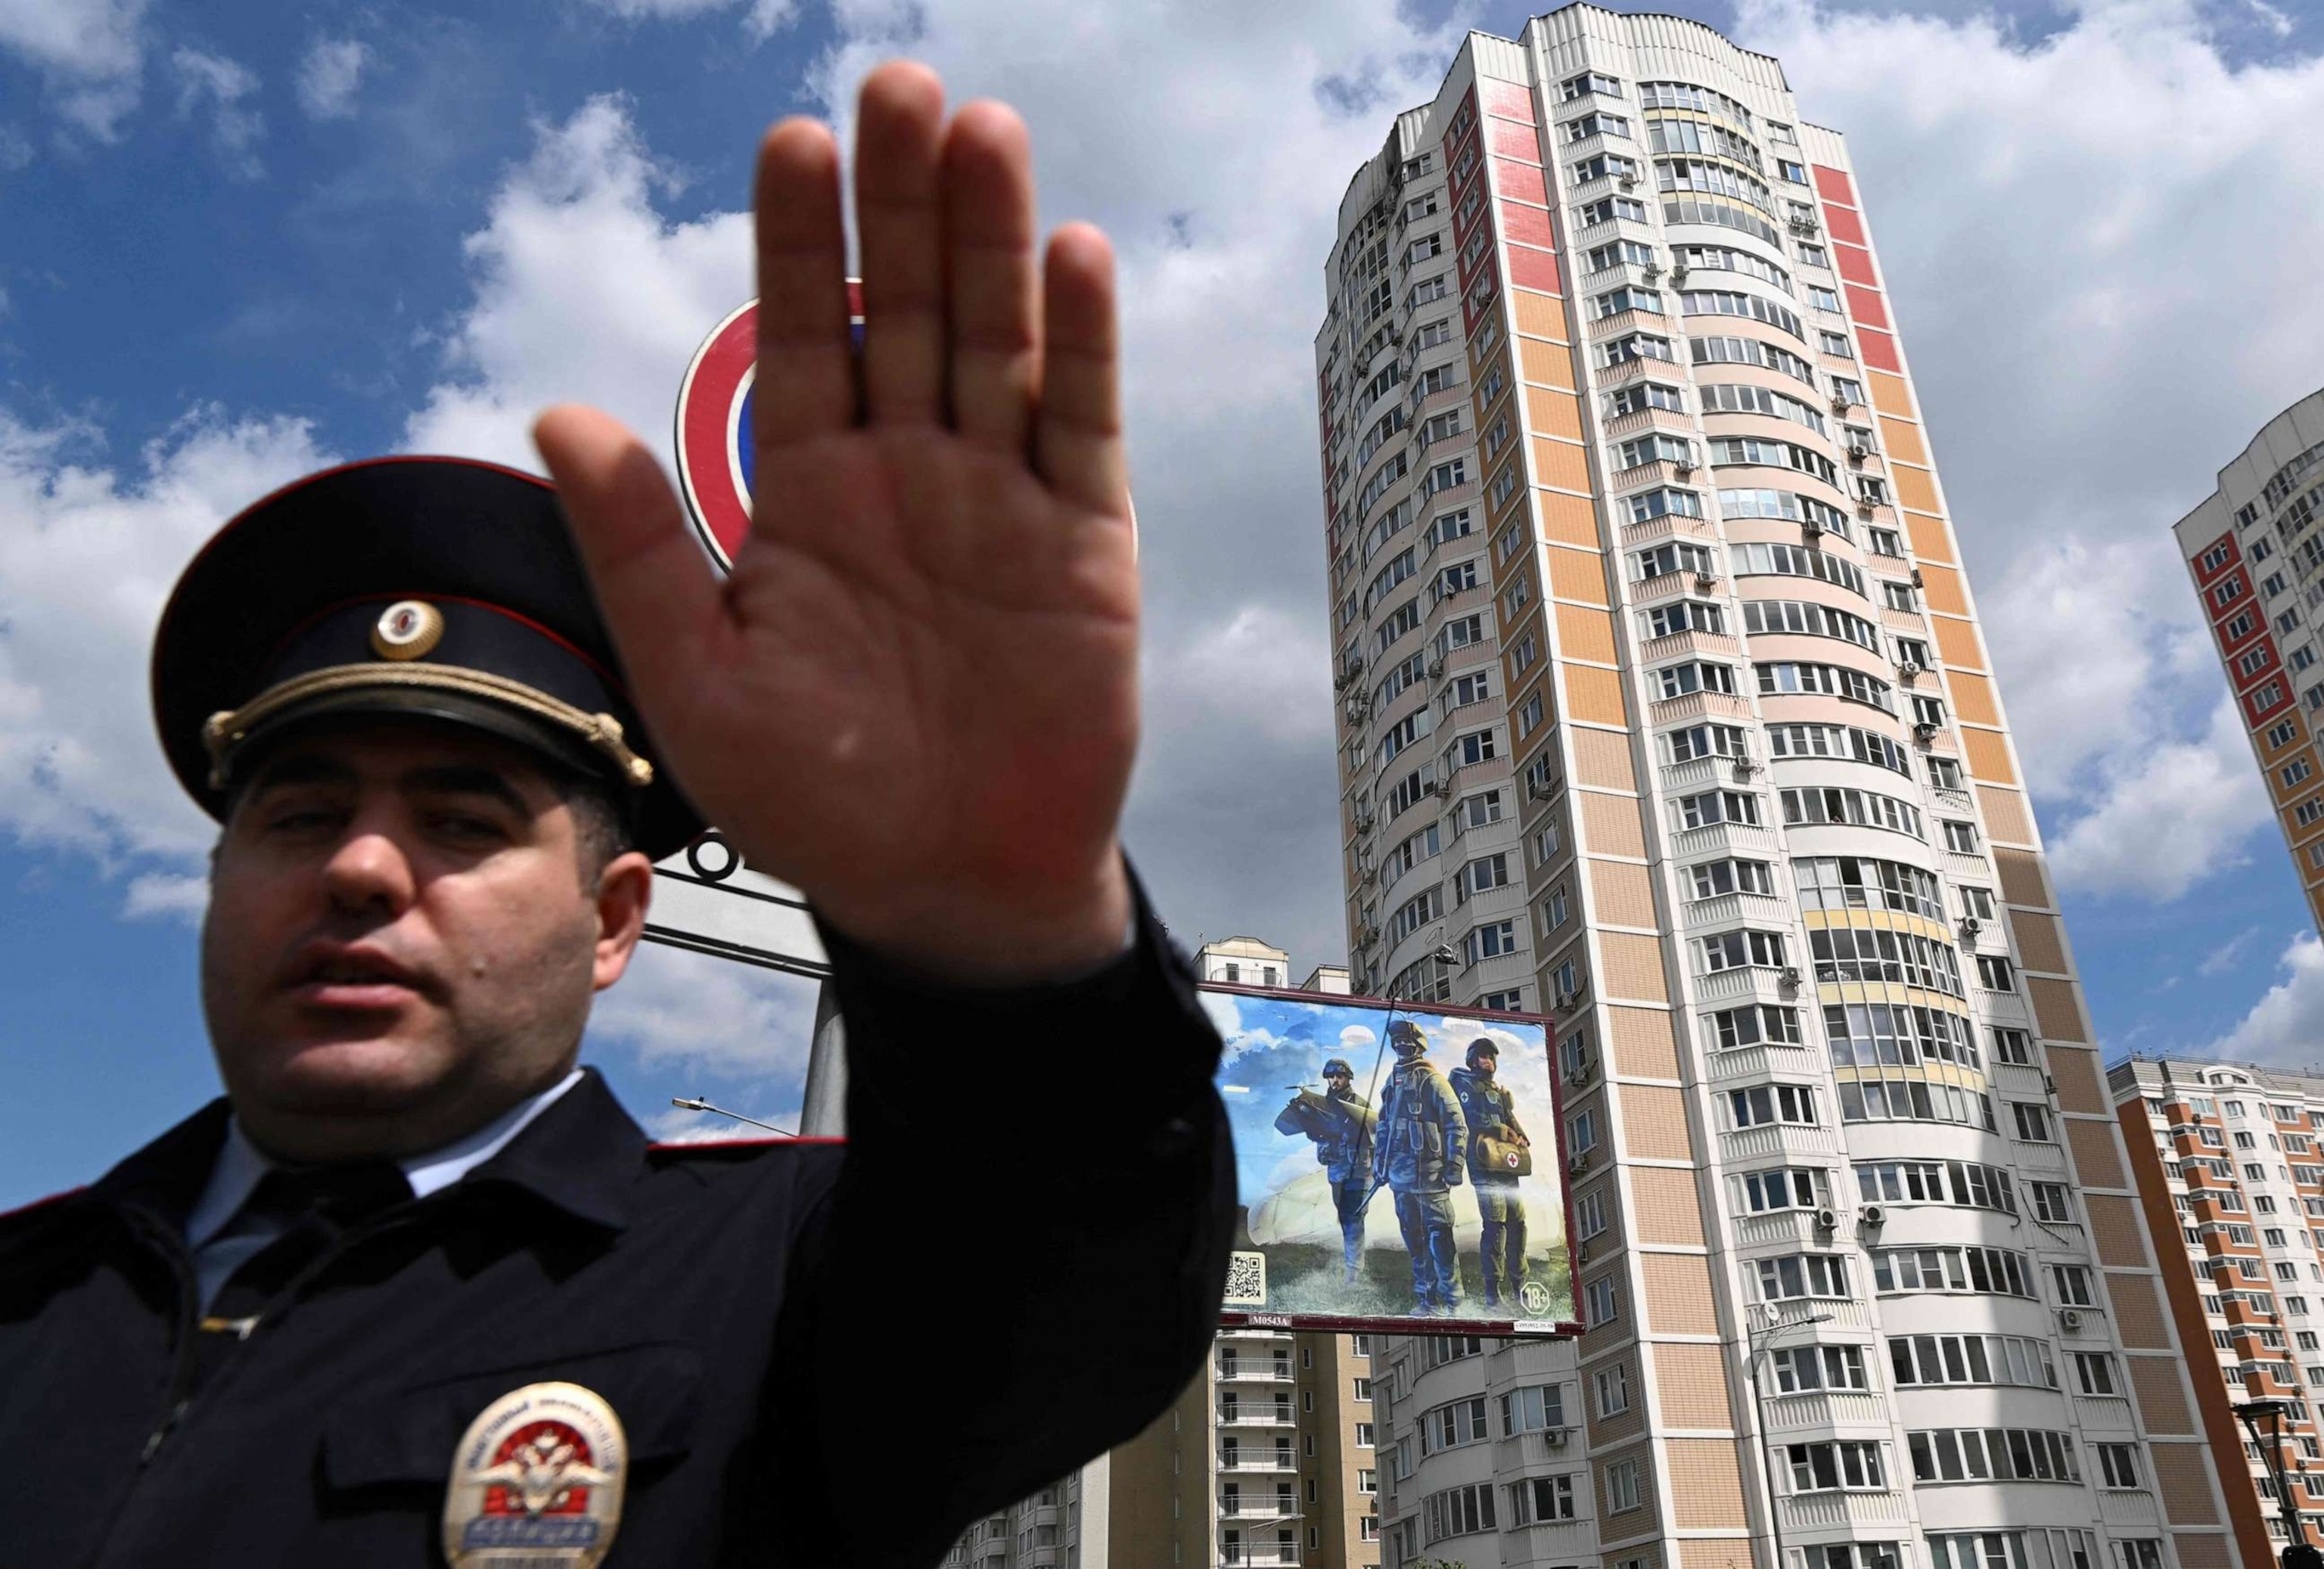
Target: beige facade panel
x,y
2022,883
1956,638
1713,1553
1669,1211
2114,1231
1706,1482
1594,695
1987,752
1539,315
2096,1160
1653,1124
1578,575
1630,966
1678,1293
1585,634
2162,1399
2202,1550
2137,1309
1644,1046
1889,394
2041,945
1692,1378
1602,758
1903,442
2076,1074
1548,365
1972,697
2007,820
2057,1011
1609,824
2186,1492
1566,519
1624,892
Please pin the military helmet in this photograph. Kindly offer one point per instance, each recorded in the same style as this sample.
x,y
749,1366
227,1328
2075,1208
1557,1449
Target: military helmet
x,y
1483,1046
1338,1064
1407,1037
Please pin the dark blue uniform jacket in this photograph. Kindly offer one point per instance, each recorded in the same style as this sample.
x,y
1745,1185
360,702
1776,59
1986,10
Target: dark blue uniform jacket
x,y
822,1353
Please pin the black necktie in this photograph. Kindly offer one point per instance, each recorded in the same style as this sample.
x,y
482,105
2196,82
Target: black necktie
x,y
315,1206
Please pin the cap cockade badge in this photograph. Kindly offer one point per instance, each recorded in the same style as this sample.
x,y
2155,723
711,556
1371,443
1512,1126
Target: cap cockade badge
x,y
409,629
537,1479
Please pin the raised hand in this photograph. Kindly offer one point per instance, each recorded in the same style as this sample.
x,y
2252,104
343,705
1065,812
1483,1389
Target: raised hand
x,y
916,696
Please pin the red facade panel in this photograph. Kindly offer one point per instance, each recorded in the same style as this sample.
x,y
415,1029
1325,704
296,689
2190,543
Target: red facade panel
x,y
1833,184
1843,224
2261,659
1878,349
2271,696
2205,576
1479,297
1509,100
1865,305
1532,269
1504,140
1528,224
2239,628
2232,590
1522,181
1856,265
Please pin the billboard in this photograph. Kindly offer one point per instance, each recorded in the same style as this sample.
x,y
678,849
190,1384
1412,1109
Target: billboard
x,y
1399,1169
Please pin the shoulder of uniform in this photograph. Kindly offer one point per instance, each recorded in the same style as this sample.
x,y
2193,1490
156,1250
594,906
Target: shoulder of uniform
x,y
29,1220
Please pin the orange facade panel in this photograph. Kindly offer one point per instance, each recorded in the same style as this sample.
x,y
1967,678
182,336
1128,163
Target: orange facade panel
x,y
1539,315
1941,587
1547,365
1903,441
1653,1127
1584,634
1567,519
1988,753
2040,944
1552,413
1957,642
1632,964
1973,698
2021,878
1561,465
1594,695
2007,820
1623,893
1577,575
2096,1161
1915,489
1890,393
1931,541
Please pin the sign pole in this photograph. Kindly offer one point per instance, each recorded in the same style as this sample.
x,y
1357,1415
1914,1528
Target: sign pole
x,y
825,1112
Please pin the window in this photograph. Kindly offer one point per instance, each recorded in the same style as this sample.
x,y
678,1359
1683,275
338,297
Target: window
x,y
2033,1122
1798,1275
1834,343
1924,1361
2118,1464
1449,1426
1602,1307
1621,1486
1587,82
1834,1467
1785,1188
1764,1103
1763,1024
1533,1409
1993,1454
1711,879
1458,1511
1960,836
2094,1372
1801,1367
2051,1202
1715,807
1736,949
1983,1271
1995,974
1609,208
1613,1389
1541,1498
1709,740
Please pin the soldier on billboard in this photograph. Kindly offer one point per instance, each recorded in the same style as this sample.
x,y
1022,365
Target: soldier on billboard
x,y
417,1289
1341,1127
1418,1154
1498,1148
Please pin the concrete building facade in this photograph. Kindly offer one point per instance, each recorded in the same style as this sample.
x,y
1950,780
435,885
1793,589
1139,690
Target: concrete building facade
x,y
2257,561
1664,703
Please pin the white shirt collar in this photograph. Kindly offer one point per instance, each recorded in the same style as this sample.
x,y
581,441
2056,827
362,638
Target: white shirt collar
x,y
240,1163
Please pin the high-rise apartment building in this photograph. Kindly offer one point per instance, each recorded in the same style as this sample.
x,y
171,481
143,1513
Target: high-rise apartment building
x,y
1665,704
2256,555
2229,1162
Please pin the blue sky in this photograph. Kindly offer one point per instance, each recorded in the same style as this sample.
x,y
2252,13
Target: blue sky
x,y
239,240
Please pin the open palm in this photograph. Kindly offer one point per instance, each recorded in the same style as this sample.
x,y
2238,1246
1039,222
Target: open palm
x,y
915,696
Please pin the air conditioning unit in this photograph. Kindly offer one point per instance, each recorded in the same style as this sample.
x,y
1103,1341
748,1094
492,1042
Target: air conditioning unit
x,y
1678,274
1827,1220
1744,768
1871,1214
1577,1163
1682,466
1970,926
1436,667
1864,509
1579,1072
1908,669
1629,181
1790,979
1841,405
1567,1002
2069,1319
1539,788
1651,271
1926,731
1706,580
1811,531
1371,874
1553,1437
1802,224
1857,452
1917,582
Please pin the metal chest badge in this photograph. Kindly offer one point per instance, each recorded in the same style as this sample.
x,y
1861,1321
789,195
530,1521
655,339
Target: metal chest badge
x,y
537,1482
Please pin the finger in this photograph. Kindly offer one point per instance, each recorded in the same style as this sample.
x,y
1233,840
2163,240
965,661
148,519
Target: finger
x,y
805,384
899,138
658,593
1077,436
993,290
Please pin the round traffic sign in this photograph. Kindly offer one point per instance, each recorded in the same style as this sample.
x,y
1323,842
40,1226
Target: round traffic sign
x,y
716,461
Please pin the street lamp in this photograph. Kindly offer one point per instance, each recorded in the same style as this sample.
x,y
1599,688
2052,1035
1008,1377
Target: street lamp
x,y
2297,1552
1758,1343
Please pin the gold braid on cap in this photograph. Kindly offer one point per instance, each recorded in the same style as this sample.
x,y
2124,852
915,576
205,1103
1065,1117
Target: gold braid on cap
x,y
226,729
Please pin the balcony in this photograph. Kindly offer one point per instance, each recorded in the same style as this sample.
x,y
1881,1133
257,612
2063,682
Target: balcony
x,y
1697,706
1809,1510
1545,1446
1237,1369
1726,909
1282,1506
1795,1226
1234,1556
2121,1509
1245,1331
1687,843
1745,982
1820,1408
1779,1139
1551,1543
2104,1413
2042,1159
1239,1416
1258,1460
1754,1063
1655,650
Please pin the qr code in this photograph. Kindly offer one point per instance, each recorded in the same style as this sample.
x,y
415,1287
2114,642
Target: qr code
x,y
1246,1280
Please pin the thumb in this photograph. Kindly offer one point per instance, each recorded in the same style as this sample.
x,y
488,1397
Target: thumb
x,y
659,594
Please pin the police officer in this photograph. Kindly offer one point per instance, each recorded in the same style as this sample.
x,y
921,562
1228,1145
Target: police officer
x,y
1418,1154
1342,1135
1491,1114
417,1291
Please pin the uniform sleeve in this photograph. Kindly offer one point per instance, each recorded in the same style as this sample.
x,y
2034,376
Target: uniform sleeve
x,y
1039,1184
1456,1134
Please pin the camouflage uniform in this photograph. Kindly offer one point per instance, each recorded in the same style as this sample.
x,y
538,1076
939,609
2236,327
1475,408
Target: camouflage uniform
x,y
1343,1147
1491,1109
1418,1154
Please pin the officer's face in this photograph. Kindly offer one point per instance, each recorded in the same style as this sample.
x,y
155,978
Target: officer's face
x,y
1338,1081
403,937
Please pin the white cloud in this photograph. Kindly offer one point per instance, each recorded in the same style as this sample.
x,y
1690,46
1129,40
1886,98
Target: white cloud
x,y
2165,814
89,53
88,553
2225,957
330,73
768,17
166,893
213,81
764,18
2285,1029
680,1009
15,150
